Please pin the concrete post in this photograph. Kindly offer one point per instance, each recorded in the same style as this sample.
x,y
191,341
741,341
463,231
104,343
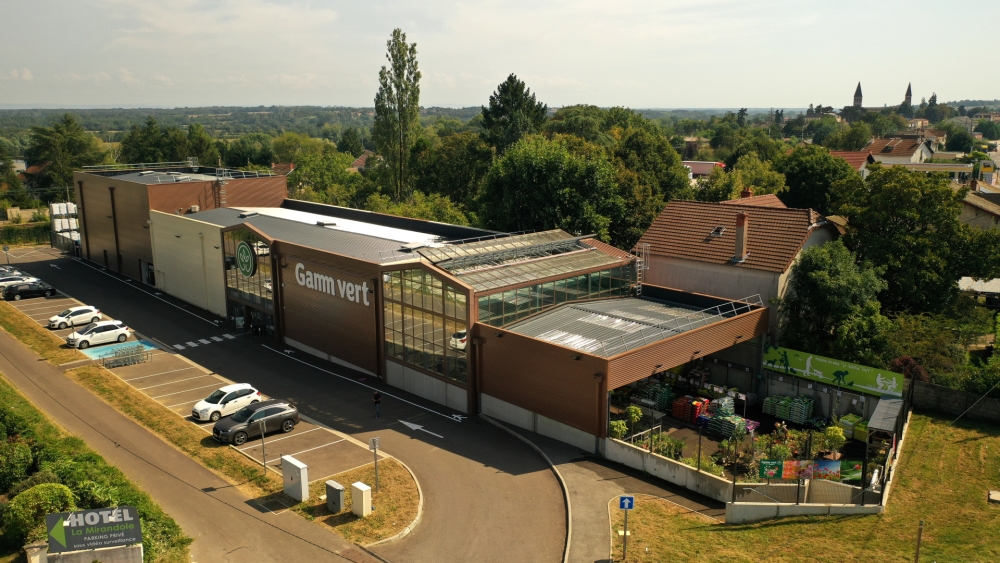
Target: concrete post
x,y
37,552
334,496
361,499
295,475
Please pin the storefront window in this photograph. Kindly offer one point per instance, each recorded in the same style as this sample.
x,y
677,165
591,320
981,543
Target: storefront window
x,y
256,288
499,309
425,323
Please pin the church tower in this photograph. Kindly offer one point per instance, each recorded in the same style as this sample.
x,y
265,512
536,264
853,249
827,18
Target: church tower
x,y
908,98
857,96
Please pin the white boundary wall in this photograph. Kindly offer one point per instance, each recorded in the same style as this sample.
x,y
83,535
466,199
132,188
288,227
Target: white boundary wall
x,y
669,470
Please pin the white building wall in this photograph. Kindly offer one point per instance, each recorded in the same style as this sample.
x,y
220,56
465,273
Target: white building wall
x,y
187,259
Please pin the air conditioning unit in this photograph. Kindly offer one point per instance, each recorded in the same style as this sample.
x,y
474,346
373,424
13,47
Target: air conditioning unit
x,y
195,209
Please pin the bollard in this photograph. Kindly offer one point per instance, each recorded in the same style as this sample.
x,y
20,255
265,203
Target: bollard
x,y
361,499
334,496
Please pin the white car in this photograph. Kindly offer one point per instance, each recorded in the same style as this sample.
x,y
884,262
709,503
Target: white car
x,y
225,401
16,279
459,340
76,316
98,333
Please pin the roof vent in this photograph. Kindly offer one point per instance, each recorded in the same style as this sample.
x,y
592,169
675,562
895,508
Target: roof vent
x,y
246,214
146,172
411,246
717,232
326,223
173,173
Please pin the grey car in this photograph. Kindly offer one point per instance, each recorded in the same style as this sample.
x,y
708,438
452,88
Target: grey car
x,y
251,420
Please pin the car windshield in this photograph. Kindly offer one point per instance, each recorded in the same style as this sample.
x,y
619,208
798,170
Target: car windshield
x,y
88,329
460,334
243,414
64,313
215,397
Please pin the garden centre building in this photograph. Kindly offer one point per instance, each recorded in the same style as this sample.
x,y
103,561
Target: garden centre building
x,y
536,329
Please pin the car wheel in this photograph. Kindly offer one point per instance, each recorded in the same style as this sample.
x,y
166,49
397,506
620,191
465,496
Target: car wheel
x,y
94,320
62,326
17,297
122,337
49,293
287,425
83,344
240,438
253,402
215,416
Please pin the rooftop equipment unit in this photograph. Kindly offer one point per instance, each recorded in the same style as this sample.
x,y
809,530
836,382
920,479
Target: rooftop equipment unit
x,y
246,214
326,223
146,172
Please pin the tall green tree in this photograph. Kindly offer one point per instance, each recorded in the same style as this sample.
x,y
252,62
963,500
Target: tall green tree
x,y
650,156
513,113
289,146
853,138
397,113
252,149
432,207
201,146
350,142
62,148
811,173
324,177
144,144
455,168
832,307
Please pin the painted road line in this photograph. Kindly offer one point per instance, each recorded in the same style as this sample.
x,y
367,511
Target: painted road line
x,y
172,382
203,341
451,418
228,336
316,448
279,439
217,339
192,403
155,374
184,391
178,346
191,344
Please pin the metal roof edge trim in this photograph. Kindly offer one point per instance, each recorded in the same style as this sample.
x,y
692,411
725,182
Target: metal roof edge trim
x,y
689,333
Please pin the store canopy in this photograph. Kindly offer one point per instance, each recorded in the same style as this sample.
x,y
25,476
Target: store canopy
x,y
886,414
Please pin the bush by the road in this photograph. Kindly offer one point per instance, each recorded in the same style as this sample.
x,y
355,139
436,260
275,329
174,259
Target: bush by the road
x,y
15,461
24,514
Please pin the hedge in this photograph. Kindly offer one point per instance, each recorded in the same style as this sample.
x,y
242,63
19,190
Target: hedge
x,y
24,514
92,481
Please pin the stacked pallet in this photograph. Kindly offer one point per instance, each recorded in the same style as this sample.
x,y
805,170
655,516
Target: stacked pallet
x,y
800,410
721,406
848,422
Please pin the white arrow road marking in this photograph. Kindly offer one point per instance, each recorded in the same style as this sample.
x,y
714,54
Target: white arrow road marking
x,y
412,426
56,267
458,417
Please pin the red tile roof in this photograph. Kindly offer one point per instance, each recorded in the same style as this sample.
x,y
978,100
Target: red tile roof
x,y
361,161
857,159
767,200
893,147
282,168
607,249
685,230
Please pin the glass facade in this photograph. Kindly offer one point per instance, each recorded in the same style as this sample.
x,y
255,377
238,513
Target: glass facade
x,y
425,323
503,308
256,289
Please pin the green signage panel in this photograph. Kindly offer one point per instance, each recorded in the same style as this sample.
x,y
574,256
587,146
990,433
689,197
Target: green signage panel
x,y
246,259
835,373
93,529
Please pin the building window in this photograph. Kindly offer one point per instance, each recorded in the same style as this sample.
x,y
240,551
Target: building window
x,y
425,323
257,288
505,307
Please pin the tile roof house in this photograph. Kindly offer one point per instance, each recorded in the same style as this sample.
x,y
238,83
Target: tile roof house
x,y
909,149
361,162
747,198
859,160
730,249
981,209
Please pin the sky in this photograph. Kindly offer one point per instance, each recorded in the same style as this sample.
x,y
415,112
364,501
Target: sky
x,y
639,54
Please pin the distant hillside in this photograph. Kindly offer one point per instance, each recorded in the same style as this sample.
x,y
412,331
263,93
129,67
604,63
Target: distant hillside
x,y
972,103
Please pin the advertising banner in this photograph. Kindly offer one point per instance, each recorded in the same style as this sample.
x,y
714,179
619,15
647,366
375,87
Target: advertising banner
x,y
835,373
825,469
770,468
850,470
793,469
93,529
810,469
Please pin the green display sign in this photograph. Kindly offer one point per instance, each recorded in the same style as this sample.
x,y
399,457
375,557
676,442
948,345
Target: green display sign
x,y
246,259
835,373
771,468
93,529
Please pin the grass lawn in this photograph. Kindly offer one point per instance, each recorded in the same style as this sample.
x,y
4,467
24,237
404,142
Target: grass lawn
x,y
396,504
942,478
36,337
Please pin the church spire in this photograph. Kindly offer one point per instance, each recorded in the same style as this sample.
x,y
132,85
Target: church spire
x,y
908,99
857,96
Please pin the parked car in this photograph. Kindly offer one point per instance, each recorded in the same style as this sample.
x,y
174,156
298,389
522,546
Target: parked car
x,y
101,332
459,340
24,290
225,401
10,271
246,423
76,316
16,279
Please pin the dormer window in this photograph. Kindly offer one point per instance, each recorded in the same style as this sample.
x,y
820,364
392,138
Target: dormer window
x,y
717,232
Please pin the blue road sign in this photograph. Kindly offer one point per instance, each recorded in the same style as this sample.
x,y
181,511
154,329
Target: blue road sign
x,y
626,502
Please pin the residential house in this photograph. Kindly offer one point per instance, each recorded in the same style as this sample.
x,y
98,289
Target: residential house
x,y
700,168
908,149
918,123
361,162
990,116
732,249
859,160
981,209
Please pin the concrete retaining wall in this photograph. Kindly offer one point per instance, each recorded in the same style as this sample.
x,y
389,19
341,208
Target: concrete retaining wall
x,y
743,512
423,385
523,418
927,396
668,470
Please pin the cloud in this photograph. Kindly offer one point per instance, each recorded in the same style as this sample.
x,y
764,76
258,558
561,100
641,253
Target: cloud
x,y
14,74
162,80
125,76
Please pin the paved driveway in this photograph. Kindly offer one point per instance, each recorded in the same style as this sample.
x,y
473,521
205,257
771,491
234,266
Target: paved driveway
x,y
487,496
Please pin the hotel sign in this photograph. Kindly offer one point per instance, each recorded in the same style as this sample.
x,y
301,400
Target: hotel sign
x,y
93,529
354,292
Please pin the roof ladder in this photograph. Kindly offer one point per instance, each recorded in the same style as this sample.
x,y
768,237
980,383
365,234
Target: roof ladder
x,y
641,253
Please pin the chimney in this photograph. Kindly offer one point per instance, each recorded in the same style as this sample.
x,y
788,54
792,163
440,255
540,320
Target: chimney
x,y
747,192
742,234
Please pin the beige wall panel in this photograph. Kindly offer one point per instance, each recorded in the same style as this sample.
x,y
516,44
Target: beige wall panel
x,y
188,263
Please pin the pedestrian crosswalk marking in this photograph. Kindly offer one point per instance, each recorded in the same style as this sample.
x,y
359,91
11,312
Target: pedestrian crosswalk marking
x,y
217,339
203,341
191,344
229,336
178,346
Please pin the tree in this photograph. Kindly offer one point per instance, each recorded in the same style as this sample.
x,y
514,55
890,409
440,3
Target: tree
x,y
323,177
144,144
758,175
832,307
513,113
397,113
454,168
853,138
586,122
741,117
432,207
811,172
289,146
910,368
882,124
250,149
959,141
719,185
201,146
649,155
62,148
350,142
539,184
753,141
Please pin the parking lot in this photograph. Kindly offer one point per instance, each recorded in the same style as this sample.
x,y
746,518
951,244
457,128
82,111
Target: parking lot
x,y
178,384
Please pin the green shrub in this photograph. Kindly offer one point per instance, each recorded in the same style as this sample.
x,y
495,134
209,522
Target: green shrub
x,y
618,429
38,478
29,508
834,438
781,451
15,460
708,465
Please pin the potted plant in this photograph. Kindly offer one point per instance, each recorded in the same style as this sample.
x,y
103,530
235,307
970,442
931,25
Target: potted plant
x,y
834,438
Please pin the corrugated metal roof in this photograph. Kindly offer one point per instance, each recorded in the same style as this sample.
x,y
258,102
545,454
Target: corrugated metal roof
x,y
885,414
487,279
609,327
364,247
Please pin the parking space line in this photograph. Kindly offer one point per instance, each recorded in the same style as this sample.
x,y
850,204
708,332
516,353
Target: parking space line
x,y
155,374
217,339
37,307
178,346
317,447
203,341
191,344
172,382
346,470
185,391
181,404
279,439
228,336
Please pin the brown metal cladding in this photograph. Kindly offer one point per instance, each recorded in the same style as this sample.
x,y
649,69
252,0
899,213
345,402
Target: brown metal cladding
x,y
268,191
344,329
639,364
131,211
179,196
543,378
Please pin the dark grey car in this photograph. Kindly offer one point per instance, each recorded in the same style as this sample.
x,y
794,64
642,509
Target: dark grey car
x,y
248,422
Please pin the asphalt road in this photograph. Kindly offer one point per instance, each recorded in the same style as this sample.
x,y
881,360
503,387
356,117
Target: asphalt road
x,y
226,527
487,496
